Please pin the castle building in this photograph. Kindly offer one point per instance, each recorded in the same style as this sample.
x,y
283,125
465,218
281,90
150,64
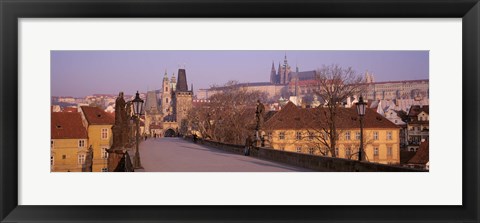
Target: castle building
x,y
167,108
284,83
285,75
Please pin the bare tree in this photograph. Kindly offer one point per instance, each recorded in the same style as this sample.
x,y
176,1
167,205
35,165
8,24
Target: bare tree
x,y
334,85
229,114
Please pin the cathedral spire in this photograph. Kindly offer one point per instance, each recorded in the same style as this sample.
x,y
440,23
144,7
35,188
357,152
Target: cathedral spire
x,y
273,74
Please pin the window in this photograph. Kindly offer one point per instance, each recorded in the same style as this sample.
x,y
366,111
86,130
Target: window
x,y
310,136
282,135
347,135
104,153
299,135
81,158
395,121
51,144
299,149
336,152
104,169
389,151
375,151
375,135
52,160
104,133
64,156
269,136
389,135
166,100
166,89
81,143
310,150
357,135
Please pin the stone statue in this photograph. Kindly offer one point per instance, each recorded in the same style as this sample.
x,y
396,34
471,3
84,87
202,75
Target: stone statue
x,y
120,110
128,109
259,113
120,129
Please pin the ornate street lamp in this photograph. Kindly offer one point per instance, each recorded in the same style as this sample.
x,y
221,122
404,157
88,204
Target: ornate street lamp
x,y
361,106
138,110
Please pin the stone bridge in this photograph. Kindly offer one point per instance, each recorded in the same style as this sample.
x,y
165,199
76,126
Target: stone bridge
x,y
182,155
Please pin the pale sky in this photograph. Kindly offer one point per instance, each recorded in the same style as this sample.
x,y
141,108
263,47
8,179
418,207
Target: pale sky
x,y
82,73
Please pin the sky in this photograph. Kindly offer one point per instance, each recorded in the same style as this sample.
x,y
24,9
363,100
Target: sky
x,y
82,73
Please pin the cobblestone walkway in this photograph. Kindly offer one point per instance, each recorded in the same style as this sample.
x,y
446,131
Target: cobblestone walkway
x,y
178,155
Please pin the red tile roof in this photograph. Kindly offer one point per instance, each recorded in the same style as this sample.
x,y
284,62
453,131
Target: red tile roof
x,y
96,116
405,156
292,117
422,155
67,125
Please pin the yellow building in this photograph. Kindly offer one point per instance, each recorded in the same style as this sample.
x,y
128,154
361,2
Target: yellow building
x,y
303,130
69,142
99,127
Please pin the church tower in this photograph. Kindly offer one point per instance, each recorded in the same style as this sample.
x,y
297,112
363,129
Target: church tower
x,y
279,75
273,74
183,98
173,82
285,72
166,95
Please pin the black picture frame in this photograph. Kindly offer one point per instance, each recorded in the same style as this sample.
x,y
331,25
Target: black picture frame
x,y
11,11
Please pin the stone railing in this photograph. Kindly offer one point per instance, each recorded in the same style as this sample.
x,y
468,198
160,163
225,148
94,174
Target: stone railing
x,y
316,163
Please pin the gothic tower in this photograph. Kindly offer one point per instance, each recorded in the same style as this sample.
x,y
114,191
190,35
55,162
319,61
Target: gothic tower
x,y
166,95
284,71
182,81
183,98
273,74
279,75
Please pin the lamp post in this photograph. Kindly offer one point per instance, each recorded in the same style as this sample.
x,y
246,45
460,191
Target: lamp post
x,y
138,110
361,106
